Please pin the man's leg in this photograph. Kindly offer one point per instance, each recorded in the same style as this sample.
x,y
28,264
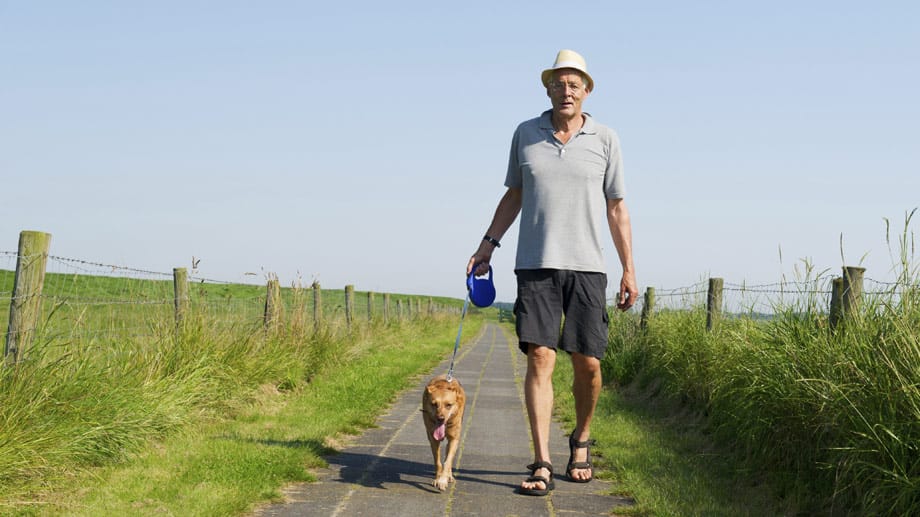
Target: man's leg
x,y
586,389
538,395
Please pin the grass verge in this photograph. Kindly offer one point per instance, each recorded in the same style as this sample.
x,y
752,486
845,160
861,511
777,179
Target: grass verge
x,y
826,413
223,458
658,452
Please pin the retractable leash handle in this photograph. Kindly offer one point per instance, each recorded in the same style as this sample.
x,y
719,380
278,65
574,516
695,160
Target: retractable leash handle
x,y
482,293
481,289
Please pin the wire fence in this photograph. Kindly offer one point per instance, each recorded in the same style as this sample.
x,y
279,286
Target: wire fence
x,y
101,303
770,298
104,304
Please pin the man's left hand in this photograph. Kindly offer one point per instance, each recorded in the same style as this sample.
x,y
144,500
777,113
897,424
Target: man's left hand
x,y
628,294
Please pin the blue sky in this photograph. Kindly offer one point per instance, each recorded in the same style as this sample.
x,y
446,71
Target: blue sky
x,y
366,143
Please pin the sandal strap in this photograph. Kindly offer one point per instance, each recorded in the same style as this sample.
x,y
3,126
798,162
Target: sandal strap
x,y
581,445
537,465
579,465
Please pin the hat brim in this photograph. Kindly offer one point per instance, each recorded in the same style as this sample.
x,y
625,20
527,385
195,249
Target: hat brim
x,y
547,74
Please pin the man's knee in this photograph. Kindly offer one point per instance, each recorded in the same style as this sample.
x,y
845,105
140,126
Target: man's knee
x,y
586,364
541,357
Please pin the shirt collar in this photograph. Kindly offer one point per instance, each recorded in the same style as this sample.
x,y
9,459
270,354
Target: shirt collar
x,y
589,127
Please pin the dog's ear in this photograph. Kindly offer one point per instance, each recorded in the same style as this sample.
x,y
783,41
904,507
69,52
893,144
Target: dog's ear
x,y
430,388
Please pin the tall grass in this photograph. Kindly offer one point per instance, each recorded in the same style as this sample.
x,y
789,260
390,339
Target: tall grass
x,y
833,414
102,382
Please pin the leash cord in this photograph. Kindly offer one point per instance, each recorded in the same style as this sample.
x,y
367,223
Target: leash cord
x,y
450,371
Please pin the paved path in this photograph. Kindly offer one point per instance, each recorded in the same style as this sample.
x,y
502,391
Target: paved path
x,y
388,470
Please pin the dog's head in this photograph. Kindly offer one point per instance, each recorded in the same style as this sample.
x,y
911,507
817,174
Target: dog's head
x,y
442,399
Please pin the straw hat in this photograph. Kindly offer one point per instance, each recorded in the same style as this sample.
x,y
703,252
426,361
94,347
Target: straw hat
x,y
568,59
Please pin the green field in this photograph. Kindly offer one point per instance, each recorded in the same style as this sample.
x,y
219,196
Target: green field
x,y
102,308
112,396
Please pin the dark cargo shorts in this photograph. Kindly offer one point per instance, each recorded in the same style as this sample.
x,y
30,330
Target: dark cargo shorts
x,y
548,299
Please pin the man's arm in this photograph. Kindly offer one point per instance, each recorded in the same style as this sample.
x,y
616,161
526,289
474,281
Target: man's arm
x,y
507,211
621,231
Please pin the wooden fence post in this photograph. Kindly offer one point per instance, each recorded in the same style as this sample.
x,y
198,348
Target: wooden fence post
x,y
273,304
26,303
349,304
851,297
180,295
317,306
836,309
370,306
399,310
647,307
714,303
386,307
298,306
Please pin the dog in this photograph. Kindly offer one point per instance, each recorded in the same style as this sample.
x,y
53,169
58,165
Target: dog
x,y
443,403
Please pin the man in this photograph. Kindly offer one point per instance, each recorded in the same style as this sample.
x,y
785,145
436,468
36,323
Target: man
x,y
565,175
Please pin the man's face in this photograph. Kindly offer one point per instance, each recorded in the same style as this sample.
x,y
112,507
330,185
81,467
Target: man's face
x,y
567,92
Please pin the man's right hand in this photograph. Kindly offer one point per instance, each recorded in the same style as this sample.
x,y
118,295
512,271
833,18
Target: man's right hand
x,y
481,261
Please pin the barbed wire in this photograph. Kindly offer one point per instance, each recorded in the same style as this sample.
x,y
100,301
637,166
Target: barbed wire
x,y
898,283
775,291
680,296
112,311
103,301
113,268
77,264
677,293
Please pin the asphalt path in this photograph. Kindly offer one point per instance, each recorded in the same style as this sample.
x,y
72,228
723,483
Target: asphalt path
x,y
389,470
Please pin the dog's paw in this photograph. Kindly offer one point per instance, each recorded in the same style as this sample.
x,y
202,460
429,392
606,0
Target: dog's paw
x,y
441,482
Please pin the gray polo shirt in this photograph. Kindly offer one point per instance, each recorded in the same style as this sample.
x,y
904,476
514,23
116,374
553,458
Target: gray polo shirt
x,y
565,191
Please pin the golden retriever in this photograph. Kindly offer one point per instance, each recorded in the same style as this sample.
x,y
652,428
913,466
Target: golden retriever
x,y
443,403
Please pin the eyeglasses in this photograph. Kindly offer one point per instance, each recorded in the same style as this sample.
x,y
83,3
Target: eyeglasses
x,y
559,86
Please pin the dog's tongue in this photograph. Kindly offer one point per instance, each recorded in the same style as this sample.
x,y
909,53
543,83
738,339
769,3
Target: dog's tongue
x,y
439,432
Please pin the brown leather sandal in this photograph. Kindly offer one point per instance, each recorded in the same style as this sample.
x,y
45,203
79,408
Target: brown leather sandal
x,y
580,465
549,484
